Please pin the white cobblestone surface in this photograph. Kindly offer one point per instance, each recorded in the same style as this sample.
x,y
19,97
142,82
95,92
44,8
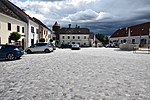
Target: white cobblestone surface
x,y
87,74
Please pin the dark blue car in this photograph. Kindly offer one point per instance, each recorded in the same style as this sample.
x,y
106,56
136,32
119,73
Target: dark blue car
x,y
10,52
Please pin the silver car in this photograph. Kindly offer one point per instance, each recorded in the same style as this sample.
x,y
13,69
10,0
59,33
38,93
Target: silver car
x,y
39,47
75,47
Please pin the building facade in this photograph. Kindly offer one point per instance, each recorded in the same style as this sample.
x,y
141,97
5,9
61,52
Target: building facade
x,y
11,22
140,34
32,34
14,19
44,31
75,35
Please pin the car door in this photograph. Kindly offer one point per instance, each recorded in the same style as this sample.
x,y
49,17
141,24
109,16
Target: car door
x,y
42,46
35,48
2,52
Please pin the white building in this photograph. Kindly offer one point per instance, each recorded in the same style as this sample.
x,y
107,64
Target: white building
x,y
140,34
79,36
11,22
26,25
32,34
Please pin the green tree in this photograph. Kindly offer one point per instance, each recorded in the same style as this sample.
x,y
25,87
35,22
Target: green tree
x,y
15,36
102,38
51,40
41,40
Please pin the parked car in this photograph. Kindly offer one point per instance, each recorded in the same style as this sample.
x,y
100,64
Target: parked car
x,y
10,52
75,47
65,46
39,47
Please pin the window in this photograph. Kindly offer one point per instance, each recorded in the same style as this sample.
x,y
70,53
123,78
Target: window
x,y
32,29
121,41
68,37
9,26
22,29
124,41
37,31
18,28
63,37
133,41
73,37
84,37
78,37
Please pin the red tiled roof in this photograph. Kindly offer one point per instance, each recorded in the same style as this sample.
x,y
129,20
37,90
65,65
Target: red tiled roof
x,y
74,31
137,30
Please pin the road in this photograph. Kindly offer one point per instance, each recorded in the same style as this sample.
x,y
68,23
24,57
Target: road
x,y
86,74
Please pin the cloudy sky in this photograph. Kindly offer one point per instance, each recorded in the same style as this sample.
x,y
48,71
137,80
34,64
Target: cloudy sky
x,y
100,16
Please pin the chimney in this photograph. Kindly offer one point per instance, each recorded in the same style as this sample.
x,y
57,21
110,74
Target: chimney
x,y
69,25
78,26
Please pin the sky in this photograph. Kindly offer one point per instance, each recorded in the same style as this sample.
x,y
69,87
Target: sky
x,y
100,16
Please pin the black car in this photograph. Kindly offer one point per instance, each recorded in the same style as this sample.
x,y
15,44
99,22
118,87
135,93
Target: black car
x,y
10,52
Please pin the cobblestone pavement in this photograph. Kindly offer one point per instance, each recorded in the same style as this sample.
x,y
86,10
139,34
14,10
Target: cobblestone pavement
x,y
86,74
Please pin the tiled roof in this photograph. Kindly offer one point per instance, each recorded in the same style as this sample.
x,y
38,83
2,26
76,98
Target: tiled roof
x,y
137,30
56,24
74,31
7,11
40,23
12,10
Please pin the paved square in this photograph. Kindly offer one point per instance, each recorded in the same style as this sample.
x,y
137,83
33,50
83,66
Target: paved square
x,y
86,74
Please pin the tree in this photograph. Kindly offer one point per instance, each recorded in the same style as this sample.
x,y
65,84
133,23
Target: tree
x,y
102,38
41,40
51,40
15,36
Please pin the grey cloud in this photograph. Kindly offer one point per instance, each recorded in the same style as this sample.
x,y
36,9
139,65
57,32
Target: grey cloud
x,y
47,0
117,14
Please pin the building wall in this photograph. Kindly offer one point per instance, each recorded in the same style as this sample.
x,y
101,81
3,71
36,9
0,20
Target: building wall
x,y
138,39
83,39
32,34
5,33
45,34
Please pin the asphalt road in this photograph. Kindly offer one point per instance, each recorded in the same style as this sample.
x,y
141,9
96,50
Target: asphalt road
x,y
86,74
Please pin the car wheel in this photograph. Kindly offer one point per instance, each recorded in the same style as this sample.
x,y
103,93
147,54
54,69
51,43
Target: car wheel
x,y
29,51
10,56
46,51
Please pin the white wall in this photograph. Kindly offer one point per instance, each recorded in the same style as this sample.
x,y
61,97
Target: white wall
x,y
5,33
137,39
81,40
31,35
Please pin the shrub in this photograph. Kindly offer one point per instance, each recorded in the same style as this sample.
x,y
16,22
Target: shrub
x,y
15,36
41,40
